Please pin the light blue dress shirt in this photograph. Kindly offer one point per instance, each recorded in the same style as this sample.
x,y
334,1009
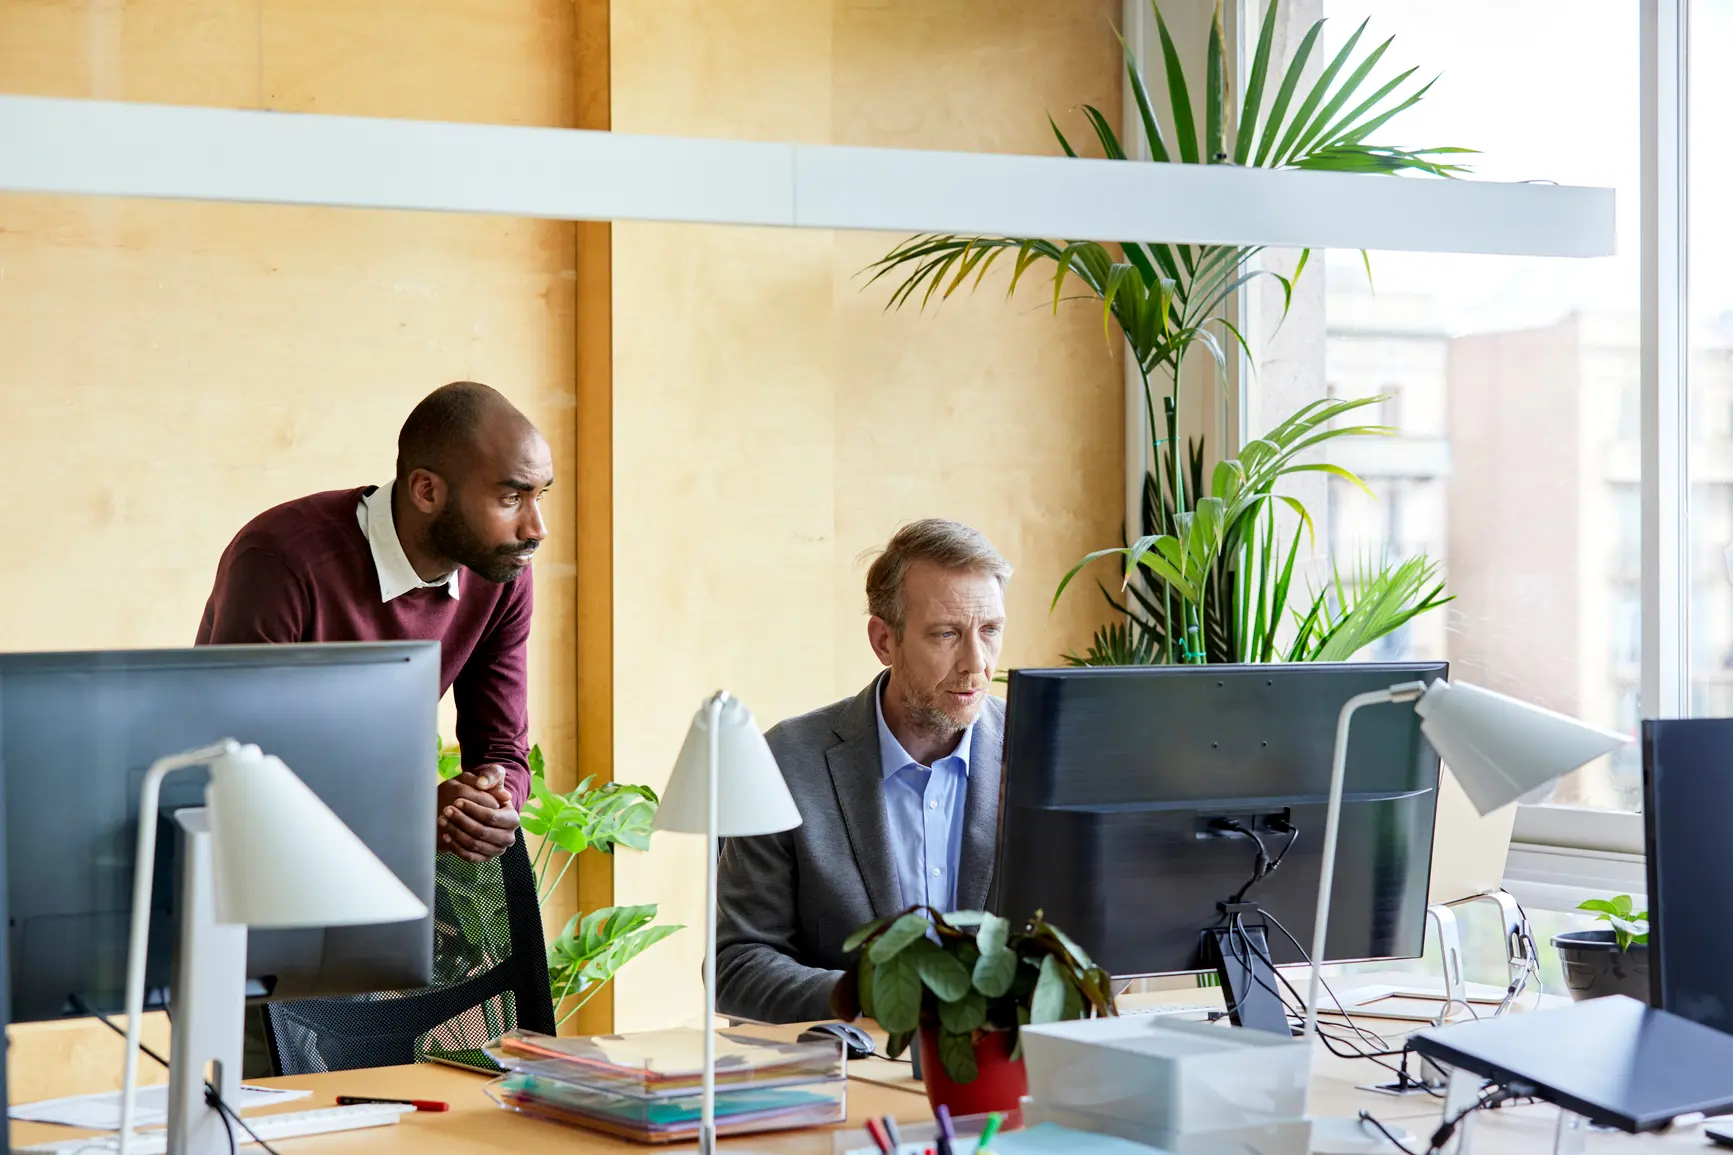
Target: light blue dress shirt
x,y
924,806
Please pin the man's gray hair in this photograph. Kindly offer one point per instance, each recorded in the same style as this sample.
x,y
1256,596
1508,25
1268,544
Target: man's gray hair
x,y
948,544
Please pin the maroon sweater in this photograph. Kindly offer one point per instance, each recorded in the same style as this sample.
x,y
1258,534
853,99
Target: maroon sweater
x,y
303,572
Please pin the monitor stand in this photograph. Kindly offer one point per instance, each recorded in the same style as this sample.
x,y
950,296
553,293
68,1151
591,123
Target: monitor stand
x,y
1250,986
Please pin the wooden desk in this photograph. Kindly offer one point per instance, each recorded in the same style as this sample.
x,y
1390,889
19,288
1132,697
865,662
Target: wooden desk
x,y
876,1088
476,1124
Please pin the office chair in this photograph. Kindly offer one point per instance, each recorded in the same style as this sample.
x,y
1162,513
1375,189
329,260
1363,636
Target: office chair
x,y
490,975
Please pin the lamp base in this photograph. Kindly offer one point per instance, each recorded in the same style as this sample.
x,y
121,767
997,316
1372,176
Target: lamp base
x,y
1338,1135
209,1001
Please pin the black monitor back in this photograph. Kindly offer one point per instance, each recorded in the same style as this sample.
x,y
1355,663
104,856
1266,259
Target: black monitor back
x,y
1114,778
1687,800
357,722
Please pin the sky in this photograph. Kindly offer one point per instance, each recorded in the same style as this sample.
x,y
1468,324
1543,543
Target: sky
x,y
1545,90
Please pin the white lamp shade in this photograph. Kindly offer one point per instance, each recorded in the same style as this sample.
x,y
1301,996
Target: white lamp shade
x,y
1500,748
751,797
283,859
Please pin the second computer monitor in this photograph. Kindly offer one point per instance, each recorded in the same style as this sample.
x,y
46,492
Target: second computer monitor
x,y
1119,783
359,725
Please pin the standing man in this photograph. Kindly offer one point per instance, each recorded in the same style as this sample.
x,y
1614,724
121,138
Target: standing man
x,y
898,787
434,555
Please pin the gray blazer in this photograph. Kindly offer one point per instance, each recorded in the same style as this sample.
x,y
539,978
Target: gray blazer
x,y
786,902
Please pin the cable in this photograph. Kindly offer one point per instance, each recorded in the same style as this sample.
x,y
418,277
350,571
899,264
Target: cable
x,y
212,1098
1325,983
84,1008
230,1113
1366,1117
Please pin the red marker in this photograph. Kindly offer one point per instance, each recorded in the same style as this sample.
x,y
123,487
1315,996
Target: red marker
x,y
876,1132
418,1104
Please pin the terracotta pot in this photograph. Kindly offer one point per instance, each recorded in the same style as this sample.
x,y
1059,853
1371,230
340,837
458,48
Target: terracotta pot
x,y
999,1086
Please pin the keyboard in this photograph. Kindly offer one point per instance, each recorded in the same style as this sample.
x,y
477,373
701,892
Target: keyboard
x,y
1168,1009
284,1125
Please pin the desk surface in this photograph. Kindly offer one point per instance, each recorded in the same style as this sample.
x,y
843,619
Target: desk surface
x,y
876,1088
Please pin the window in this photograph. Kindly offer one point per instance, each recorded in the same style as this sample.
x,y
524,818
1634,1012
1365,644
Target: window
x,y
1711,364
1524,484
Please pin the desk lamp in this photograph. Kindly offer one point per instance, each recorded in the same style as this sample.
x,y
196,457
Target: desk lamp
x,y
1499,749
725,784
266,852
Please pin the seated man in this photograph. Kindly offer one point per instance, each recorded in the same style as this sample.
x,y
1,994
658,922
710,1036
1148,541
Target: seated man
x,y
898,787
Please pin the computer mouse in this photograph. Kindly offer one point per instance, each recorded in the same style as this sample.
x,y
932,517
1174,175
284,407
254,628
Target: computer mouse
x,y
857,1041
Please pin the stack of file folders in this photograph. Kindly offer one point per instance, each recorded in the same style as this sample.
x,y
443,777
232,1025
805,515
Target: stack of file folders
x,y
647,1086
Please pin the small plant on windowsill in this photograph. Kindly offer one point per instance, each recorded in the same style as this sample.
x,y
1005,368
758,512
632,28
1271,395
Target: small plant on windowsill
x,y
1613,961
1630,926
965,984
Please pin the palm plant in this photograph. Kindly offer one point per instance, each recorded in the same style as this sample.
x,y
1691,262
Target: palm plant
x,y
1167,299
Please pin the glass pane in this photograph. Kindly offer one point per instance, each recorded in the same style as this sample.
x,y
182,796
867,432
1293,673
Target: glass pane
x,y
1711,384
1511,382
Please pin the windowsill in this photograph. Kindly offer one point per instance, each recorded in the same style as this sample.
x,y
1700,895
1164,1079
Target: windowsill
x,y
1562,855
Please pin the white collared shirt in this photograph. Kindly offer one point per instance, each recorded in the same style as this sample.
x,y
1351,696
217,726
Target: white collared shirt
x,y
396,576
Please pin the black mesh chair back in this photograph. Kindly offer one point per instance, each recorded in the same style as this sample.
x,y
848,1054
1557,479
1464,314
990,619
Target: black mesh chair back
x,y
490,975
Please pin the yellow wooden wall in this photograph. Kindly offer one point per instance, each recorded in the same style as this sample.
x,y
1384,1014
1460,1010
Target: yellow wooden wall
x,y
169,370
743,416
770,421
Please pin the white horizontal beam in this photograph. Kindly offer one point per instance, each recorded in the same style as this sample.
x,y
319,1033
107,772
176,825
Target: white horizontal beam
x,y
136,150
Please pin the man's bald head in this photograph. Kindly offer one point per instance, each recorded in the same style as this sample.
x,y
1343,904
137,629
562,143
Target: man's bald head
x,y
444,433
471,472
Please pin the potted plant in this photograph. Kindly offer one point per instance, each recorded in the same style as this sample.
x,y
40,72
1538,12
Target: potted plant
x,y
470,931
1210,578
1613,961
965,983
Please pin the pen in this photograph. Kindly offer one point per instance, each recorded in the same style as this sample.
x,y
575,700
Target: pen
x,y
418,1104
896,1136
947,1132
876,1131
987,1132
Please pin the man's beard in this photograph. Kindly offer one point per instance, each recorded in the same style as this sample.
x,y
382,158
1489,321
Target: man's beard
x,y
456,541
931,714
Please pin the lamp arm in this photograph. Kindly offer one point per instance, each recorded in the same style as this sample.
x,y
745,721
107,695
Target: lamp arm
x,y
144,863
707,1124
1407,692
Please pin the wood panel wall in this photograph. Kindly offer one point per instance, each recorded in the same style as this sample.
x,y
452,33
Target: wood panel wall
x,y
771,421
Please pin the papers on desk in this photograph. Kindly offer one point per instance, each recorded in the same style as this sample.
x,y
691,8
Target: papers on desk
x,y
1043,1139
150,1107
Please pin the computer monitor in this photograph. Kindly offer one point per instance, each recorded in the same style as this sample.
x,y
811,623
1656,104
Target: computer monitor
x,y
357,722
1119,781
1687,798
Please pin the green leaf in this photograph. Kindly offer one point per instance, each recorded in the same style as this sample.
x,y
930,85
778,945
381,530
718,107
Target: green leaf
x,y
1146,114
943,974
997,966
897,1043
1290,81
896,996
450,765
1078,954
1048,1005
864,972
1184,125
1215,144
1255,85
853,942
538,765
964,1015
957,1052
909,928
